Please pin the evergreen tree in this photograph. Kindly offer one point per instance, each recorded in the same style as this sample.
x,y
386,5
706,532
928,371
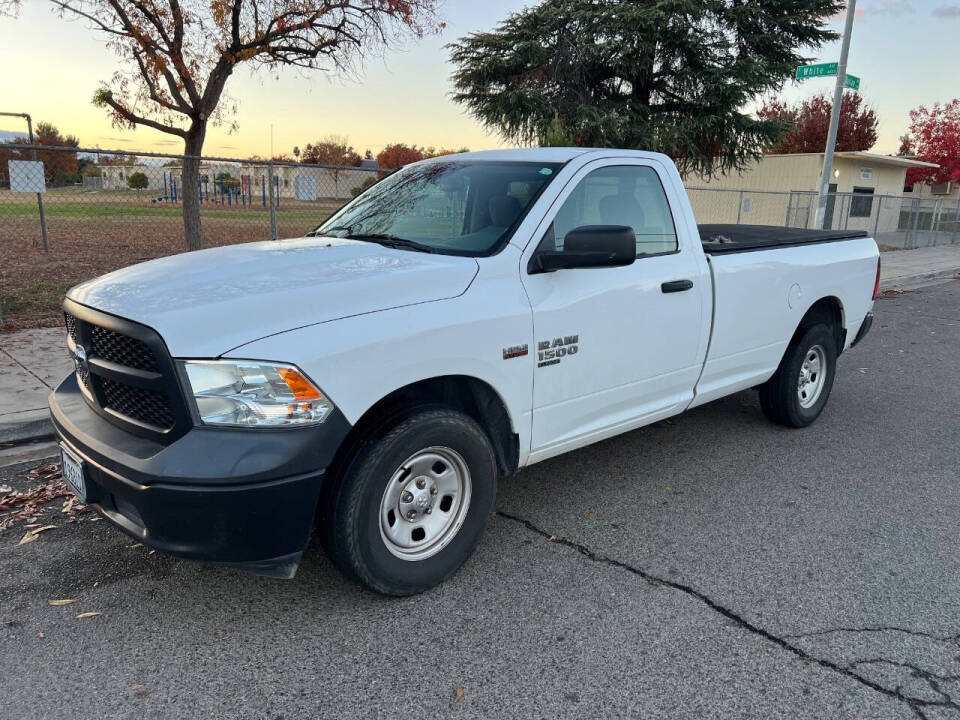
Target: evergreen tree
x,y
667,75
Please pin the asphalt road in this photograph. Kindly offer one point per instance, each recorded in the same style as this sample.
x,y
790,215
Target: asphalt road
x,y
710,566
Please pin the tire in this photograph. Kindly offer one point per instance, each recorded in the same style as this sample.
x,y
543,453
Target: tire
x,y
812,360
368,536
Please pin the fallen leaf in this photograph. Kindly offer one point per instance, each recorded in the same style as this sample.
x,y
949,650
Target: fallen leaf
x,y
589,514
138,686
28,505
140,694
458,694
35,532
32,534
88,614
64,601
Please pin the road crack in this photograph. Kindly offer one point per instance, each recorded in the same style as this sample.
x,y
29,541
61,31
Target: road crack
x,y
877,629
849,671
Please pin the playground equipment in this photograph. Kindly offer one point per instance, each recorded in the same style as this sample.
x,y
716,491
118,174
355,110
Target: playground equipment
x,y
222,189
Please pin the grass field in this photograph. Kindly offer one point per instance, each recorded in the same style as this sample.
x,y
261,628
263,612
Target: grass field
x,y
91,233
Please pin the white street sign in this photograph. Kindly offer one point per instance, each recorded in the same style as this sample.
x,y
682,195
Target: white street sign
x,y
26,176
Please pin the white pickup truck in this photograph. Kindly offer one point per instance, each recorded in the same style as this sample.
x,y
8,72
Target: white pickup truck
x,y
465,317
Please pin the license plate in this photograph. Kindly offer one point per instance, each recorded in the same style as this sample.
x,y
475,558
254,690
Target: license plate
x,y
72,470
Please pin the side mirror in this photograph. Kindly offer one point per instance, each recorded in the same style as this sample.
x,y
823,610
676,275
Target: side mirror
x,y
589,246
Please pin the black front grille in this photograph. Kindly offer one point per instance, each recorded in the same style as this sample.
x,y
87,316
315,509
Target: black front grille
x,y
148,406
128,376
121,349
72,327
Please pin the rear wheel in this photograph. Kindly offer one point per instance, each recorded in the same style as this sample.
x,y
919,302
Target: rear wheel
x,y
797,393
411,505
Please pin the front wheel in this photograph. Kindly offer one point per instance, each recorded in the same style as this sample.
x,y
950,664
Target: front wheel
x,y
412,504
797,393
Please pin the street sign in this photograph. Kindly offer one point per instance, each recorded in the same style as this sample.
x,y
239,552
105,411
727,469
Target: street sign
x,y
818,70
853,82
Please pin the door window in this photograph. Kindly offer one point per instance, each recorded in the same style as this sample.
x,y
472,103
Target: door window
x,y
630,195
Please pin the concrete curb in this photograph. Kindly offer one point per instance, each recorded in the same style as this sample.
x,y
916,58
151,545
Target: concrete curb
x,y
25,426
919,279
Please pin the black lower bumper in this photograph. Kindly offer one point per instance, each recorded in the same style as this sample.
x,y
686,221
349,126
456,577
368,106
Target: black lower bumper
x,y
864,329
242,497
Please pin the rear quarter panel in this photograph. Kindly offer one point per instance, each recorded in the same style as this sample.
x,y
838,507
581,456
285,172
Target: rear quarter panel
x,y
760,297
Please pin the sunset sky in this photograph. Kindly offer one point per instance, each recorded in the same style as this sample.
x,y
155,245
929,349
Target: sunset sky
x,y
904,51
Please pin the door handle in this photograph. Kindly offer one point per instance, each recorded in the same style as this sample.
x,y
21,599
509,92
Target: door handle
x,y
677,286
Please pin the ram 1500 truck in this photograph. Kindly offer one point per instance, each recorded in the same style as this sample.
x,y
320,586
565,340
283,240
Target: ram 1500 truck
x,y
463,318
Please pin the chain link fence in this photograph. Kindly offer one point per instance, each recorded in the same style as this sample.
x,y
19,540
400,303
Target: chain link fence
x,y
116,194
68,214
895,221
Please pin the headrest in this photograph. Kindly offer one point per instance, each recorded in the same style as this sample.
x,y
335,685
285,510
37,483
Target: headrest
x,y
504,209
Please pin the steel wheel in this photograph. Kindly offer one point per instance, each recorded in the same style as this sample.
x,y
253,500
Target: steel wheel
x,y
812,376
425,503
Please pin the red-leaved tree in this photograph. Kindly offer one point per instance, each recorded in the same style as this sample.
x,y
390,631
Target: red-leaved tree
x,y
177,55
809,124
60,166
934,137
397,155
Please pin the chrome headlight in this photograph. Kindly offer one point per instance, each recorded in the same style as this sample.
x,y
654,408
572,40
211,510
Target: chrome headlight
x,y
250,393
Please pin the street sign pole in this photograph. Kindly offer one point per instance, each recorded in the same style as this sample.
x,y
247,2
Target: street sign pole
x,y
835,116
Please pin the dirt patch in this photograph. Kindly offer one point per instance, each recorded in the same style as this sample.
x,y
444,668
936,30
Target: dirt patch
x,y
96,239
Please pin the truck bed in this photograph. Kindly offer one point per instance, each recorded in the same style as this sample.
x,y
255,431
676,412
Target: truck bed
x,y
720,239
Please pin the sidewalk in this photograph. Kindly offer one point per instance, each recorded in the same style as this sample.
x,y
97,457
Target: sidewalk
x,y
903,268
33,361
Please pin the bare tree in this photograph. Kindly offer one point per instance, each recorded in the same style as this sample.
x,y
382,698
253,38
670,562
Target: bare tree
x,y
177,55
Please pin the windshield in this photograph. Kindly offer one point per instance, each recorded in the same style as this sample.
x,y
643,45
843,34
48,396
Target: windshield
x,y
454,207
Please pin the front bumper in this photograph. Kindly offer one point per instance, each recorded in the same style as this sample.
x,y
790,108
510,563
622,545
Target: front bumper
x,y
237,496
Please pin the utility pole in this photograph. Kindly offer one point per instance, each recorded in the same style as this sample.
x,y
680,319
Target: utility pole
x,y
835,116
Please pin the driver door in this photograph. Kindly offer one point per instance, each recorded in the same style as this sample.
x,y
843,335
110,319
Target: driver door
x,y
617,347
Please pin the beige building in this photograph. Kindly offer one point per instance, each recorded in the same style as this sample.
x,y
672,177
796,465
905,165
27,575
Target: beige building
x,y
782,190
115,177
310,183
949,192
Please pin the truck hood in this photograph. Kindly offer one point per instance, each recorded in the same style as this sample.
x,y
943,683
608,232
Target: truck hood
x,y
208,302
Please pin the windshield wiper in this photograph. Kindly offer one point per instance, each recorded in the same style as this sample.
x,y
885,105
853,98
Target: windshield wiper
x,y
391,241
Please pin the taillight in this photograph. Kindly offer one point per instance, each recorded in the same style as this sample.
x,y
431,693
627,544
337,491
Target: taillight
x,y
876,285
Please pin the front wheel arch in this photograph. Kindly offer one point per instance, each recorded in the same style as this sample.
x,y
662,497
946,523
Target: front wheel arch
x,y
469,395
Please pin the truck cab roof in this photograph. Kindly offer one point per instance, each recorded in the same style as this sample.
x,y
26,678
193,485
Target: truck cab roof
x,y
546,154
